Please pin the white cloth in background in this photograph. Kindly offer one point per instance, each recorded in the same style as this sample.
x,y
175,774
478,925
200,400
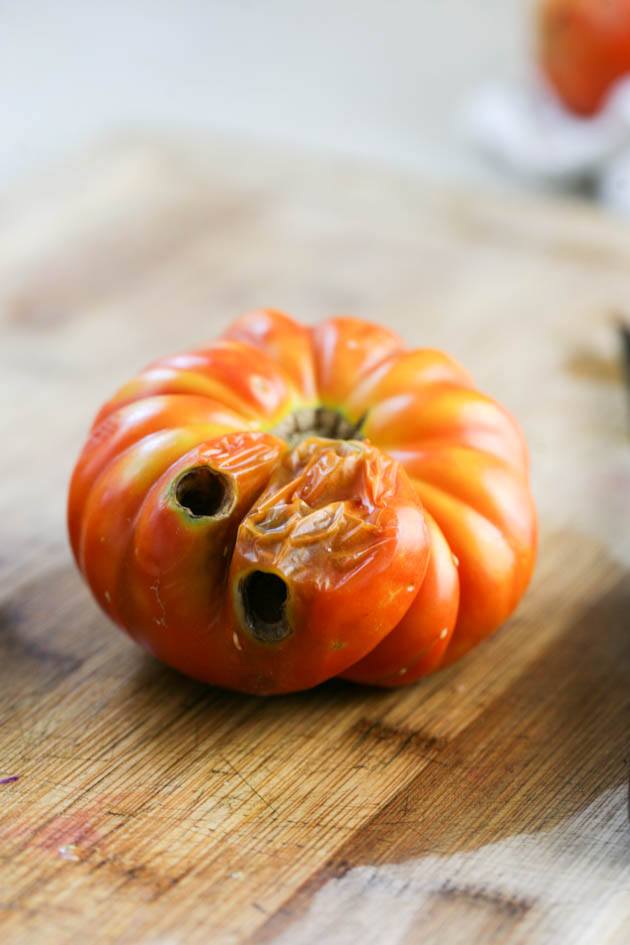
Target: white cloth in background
x,y
525,129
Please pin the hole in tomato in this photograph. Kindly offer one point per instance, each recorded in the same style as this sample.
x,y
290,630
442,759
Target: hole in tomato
x,y
203,492
264,596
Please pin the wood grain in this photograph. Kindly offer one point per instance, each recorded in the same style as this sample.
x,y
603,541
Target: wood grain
x,y
487,804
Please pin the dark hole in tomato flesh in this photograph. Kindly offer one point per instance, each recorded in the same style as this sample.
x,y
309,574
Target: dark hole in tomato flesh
x,y
264,596
203,492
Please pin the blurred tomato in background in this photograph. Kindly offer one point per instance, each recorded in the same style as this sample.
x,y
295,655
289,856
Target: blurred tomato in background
x,y
584,48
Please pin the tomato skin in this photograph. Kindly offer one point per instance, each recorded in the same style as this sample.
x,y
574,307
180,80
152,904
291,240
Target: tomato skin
x,y
584,48
418,643
268,562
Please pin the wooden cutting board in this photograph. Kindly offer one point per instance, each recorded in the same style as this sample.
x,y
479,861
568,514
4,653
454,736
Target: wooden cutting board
x,y
487,804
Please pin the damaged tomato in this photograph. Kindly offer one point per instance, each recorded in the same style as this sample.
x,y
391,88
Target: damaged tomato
x,y
290,504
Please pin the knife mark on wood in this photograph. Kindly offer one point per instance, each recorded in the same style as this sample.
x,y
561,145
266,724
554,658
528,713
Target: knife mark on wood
x,y
399,736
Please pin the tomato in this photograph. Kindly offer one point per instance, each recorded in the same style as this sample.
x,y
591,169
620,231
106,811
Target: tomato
x,y
584,48
291,504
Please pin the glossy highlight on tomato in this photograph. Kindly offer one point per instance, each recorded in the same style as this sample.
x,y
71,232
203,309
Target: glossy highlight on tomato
x,y
290,504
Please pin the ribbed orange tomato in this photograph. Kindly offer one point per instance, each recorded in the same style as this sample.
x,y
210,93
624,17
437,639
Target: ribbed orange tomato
x,y
290,504
584,48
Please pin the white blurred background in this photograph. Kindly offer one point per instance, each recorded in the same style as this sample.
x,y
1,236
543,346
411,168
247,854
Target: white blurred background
x,y
385,80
